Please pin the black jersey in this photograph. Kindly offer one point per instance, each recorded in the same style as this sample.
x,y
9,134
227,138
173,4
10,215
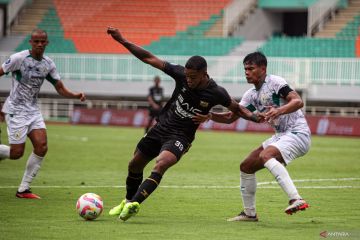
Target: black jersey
x,y
176,116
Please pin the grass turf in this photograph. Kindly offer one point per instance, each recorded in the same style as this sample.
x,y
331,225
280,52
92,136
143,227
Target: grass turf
x,y
194,198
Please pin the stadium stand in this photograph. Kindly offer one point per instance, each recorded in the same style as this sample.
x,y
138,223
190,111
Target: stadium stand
x,y
337,39
152,20
351,30
185,26
30,16
51,23
343,18
86,56
183,32
309,47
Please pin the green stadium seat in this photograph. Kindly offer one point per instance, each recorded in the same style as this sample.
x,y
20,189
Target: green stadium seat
x,y
309,47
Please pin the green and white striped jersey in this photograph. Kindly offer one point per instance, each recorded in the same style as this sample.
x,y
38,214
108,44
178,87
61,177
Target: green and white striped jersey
x,y
268,95
28,75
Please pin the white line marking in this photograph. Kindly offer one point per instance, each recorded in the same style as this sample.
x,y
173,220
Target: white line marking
x,y
314,180
219,187
71,138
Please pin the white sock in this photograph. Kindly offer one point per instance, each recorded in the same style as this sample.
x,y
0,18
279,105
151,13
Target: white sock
x,y
283,178
32,167
4,151
248,190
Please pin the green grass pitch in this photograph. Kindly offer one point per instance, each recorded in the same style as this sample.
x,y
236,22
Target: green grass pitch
x,y
195,197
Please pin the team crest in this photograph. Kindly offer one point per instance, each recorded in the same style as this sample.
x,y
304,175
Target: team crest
x,y
264,100
204,104
17,135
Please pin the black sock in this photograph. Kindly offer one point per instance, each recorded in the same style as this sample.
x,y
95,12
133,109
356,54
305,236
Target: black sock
x,y
133,182
147,187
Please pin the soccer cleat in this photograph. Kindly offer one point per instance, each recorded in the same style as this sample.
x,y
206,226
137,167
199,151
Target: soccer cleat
x,y
27,194
130,209
242,217
115,211
296,205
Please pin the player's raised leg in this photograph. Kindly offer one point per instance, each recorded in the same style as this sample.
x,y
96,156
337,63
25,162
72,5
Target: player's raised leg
x,y
283,178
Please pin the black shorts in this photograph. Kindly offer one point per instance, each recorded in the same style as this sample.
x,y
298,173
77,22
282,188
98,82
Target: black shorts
x,y
158,140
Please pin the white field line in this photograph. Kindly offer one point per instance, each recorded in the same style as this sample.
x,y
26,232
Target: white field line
x,y
314,180
260,185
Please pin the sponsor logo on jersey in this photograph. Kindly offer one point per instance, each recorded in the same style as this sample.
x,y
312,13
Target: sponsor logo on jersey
x,y
204,104
183,109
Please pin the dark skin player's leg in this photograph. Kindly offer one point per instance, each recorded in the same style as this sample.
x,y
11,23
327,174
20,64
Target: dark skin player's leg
x,y
138,162
257,158
17,151
164,161
38,139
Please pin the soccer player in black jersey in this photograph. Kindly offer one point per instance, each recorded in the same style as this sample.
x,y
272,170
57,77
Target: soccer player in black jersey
x,y
171,137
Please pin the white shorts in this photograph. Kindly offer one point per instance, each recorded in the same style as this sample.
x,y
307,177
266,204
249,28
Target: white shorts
x,y
290,145
20,125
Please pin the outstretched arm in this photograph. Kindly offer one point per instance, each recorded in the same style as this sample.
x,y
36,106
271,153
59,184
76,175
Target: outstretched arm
x,y
223,117
243,112
137,51
236,111
63,91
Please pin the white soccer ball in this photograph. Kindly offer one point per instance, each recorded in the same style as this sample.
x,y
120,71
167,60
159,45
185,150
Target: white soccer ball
x,y
89,206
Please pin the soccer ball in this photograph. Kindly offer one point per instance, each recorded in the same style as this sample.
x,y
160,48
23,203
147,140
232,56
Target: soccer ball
x,y
89,206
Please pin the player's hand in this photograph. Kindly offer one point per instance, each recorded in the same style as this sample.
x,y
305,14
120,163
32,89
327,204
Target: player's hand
x,y
271,113
115,34
261,117
200,118
81,96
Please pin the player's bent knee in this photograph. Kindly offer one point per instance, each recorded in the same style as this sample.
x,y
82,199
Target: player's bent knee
x,y
16,154
246,168
264,157
41,150
162,166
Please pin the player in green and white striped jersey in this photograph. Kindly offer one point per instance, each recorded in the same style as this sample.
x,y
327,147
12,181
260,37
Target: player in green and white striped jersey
x,y
272,98
29,69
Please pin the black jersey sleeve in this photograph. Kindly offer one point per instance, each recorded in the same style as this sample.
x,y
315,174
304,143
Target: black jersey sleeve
x,y
174,71
224,97
284,91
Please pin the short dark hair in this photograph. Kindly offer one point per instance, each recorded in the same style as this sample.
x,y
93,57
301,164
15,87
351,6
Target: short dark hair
x,y
257,58
196,63
38,30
